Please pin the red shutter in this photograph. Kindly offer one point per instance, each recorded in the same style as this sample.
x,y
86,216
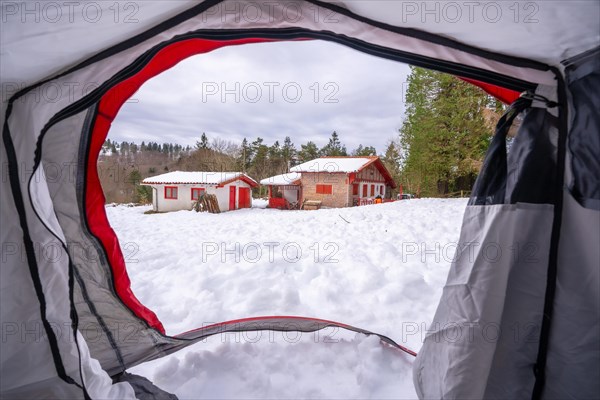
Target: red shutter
x,y
324,189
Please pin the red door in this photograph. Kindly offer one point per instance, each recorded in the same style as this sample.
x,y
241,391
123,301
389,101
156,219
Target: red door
x,y
244,197
232,197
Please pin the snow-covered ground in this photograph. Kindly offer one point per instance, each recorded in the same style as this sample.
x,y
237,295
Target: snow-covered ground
x,y
379,267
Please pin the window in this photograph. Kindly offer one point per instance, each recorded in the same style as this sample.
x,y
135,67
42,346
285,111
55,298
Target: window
x,y
372,190
355,189
197,192
324,189
365,188
171,192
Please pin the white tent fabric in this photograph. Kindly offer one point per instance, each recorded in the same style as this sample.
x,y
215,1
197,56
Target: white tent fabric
x,y
74,53
548,32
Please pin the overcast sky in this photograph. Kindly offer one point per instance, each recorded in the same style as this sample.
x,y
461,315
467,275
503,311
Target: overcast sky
x,y
304,90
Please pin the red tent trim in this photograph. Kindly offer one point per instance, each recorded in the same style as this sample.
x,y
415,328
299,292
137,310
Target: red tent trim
x,y
109,106
506,96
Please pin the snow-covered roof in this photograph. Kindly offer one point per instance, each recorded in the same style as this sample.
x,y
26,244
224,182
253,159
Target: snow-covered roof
x,y
201,177
282,180
333,164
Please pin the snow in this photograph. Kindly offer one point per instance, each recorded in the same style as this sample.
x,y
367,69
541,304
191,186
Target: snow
x,y
333,164
260,203
382,270
282,180
210,178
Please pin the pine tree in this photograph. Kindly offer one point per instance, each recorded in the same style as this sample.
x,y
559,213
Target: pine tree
x,y
364,151
245,156
444,136
393,162
203,143
259,167
334,147
275,151
308,151
288,153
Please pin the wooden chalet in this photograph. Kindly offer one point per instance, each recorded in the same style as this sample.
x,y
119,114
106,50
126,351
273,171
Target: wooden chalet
x,y
331,182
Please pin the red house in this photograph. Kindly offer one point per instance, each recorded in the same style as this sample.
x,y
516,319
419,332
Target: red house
x,y
331,182
179,190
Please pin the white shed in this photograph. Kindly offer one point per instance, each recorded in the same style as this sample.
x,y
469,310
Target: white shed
x,y
179,190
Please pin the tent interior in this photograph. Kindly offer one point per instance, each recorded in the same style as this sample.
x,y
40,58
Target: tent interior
x,y
545,191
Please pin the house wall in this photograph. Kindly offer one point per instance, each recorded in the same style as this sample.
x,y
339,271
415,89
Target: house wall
x,y
368,177
371,173
342,190
380,189
184,196
223,194
340,196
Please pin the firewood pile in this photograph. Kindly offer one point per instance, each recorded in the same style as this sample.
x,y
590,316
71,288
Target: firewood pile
x,y
207,203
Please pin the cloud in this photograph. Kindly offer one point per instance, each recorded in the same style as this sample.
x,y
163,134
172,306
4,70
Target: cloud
x,y
304,90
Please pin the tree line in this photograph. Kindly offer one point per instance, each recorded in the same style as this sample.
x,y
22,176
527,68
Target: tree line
x,y
258,159
125,148
122,165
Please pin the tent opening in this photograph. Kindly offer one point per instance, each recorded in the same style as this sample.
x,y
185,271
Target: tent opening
x,y
174,276
206,114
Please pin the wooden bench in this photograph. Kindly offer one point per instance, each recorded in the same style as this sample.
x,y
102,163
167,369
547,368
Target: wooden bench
x,y
311,204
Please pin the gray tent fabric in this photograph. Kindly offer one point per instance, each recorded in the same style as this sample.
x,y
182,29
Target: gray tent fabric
x,y
489,325
574,344
521,301
490,311
144,389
